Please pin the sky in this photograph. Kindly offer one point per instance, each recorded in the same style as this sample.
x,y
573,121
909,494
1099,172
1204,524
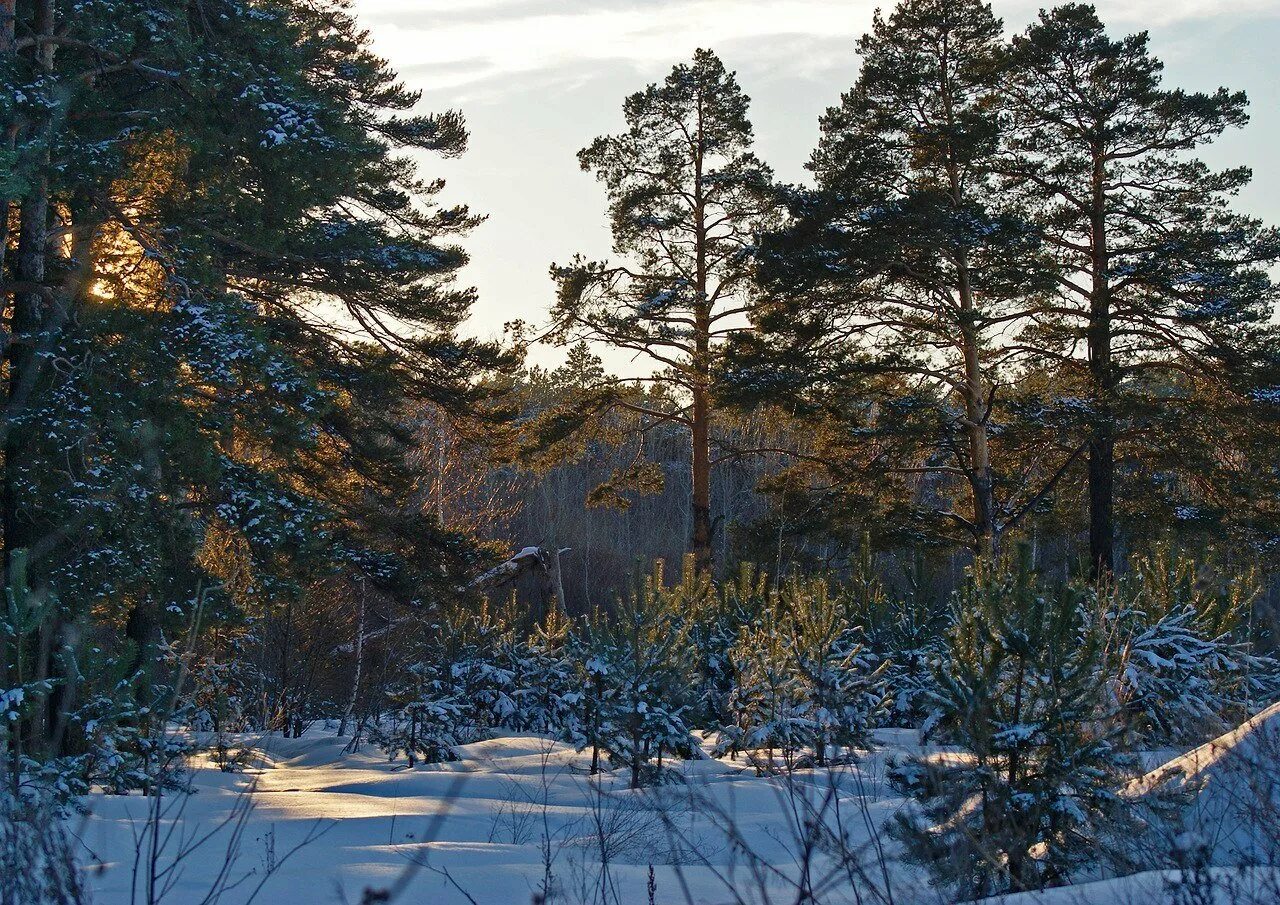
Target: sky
x,y
539,79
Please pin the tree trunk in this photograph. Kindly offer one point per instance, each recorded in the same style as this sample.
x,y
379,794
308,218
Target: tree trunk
x,y
975,416
1101,471
700,542
7,23
635,760
23,359
1102,467
550,580
700,429
30,267
355,682
7,10
980,482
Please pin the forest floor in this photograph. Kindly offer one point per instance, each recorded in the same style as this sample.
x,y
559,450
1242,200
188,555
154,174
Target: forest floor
x,y
306,822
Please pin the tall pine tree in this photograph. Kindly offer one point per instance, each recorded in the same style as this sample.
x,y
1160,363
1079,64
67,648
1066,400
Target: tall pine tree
x,y
907,262
230,288
686,200
1159,281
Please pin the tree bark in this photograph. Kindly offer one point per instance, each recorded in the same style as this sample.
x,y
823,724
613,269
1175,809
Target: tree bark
x,y
980,481
7,23
700,543
700,430
355,681
979,470
551,580
28,305
1101,470
30,268
11,652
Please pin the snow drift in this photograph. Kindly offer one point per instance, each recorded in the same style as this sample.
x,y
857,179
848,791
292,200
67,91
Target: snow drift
x,y
1233,789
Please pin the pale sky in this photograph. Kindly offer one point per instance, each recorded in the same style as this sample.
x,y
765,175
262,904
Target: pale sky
x,y
539,79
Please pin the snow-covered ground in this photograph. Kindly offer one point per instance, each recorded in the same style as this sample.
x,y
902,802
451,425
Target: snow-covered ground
x,y
1234,784
306,823
323,826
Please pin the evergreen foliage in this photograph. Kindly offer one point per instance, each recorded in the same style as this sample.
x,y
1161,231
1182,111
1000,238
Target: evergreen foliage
x,y
1185,668
686,199
223,356
1161,285
906,260
250,463
1034,795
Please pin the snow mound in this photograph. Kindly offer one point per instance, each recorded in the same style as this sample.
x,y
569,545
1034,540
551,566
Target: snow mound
x,y
1217,886
1233,786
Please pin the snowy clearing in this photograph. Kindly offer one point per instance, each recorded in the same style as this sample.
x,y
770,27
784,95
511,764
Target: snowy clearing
x,y
486,819
308,823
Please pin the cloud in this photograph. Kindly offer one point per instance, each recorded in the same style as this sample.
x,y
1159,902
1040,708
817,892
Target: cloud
x,y
478,40
471,42
538,78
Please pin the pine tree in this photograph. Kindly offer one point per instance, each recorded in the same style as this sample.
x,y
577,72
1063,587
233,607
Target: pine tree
x,y
642,674
544,703
239,198
1022,691
686,199
426,719
717,618
906,260
840,684
591,699
1181,662
768,705
903,634
1157,276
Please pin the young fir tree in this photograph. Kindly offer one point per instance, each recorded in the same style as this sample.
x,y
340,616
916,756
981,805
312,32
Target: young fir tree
x,y
1182,665
716,621
840,684
686,200
641,665
804,685
1157,277
907,260
1023,692
591,696
903,634
767,704
543,697
427,716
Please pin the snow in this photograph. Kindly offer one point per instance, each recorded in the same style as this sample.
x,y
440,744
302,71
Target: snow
x,y
481,818
476,829
1234,782
1157,887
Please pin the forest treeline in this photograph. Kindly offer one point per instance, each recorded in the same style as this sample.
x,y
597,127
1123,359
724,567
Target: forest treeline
x,y
1012,303
254,470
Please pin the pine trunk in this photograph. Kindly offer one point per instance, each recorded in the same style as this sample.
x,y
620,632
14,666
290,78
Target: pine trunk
x,y
23,356
355,681
28,304
700,544
635,760
1101,471
30,266
7,10
700,428
975,420
980,481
